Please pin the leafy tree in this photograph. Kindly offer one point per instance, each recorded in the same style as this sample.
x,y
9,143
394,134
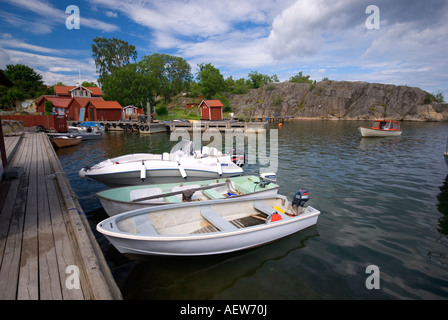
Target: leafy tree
x,y
28,84
129,86
88,84
210,79
169,74
48,106
258,79
300,78
110,54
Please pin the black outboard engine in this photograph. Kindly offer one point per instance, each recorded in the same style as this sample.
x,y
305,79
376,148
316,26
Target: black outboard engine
x,y
300,198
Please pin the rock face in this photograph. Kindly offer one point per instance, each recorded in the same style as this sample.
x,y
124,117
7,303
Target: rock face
x,y
338,100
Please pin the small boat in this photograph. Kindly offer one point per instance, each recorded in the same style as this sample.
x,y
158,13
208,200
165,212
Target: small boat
x,y
381,128
85,135
66,141
208,227
118,200
181,164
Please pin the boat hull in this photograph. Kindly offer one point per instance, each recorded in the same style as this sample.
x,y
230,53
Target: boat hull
x,y
143,169
63,142
211,243
369,132
119,200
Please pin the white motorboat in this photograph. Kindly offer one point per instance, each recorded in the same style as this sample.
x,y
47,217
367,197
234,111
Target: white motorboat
x,y
118,200
181,164
208,227
381,128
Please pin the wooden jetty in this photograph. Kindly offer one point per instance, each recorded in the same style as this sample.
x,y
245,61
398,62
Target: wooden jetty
x,y
47,249
167,126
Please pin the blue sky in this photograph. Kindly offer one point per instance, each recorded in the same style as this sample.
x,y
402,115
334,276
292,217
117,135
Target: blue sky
x,y
322,38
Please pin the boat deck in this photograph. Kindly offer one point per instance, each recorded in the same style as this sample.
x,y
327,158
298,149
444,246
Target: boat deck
x,y
47,250
245,222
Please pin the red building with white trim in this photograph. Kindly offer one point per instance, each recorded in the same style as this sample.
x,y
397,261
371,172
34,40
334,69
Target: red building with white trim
x,y
211,110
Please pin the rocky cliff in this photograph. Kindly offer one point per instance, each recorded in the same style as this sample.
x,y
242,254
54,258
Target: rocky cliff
x,y
338,100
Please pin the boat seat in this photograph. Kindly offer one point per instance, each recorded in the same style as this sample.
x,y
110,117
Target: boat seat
x,y
216,220
212,194
144,225
268,210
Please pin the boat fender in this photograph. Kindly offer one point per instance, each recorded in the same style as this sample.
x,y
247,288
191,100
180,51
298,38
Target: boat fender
x,y
143,171
182,172
219,169
230,194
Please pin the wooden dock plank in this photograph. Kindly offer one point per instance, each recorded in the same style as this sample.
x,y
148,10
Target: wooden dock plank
x,y
49,278
42,234
28,274
9,271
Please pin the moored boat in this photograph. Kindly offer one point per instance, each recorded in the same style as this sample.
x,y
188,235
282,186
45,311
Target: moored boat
x,y
118,200
181,164
66,141
381,128
208,227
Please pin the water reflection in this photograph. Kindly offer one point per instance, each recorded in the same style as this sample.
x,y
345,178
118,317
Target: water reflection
x,y
442,206
210,277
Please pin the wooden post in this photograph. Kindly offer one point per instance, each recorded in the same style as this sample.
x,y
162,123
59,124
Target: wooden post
x,y
2,147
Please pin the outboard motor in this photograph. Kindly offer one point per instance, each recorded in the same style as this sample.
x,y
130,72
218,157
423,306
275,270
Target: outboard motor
x,y
267,178
300,198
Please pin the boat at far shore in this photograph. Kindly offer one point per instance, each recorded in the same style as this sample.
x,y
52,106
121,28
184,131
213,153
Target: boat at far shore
x,y
381,128
118,200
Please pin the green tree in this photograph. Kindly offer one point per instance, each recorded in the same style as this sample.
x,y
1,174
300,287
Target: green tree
x,y
129,86
258,79
300,78
211,80
48,106
110,54
88,84
169,74
28,84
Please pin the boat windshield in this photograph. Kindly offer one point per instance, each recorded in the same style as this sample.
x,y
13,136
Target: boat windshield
x,y
376,124
184,146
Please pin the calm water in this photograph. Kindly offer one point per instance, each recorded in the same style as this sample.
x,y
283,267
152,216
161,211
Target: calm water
x,y
384,202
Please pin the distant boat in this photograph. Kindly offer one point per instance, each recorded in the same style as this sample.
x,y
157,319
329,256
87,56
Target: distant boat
x,y
381,128
119,200
207,227
85,135
66,141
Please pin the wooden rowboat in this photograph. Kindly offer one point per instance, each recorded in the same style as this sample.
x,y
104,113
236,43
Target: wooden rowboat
x,y
118,200
206,227
65,141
